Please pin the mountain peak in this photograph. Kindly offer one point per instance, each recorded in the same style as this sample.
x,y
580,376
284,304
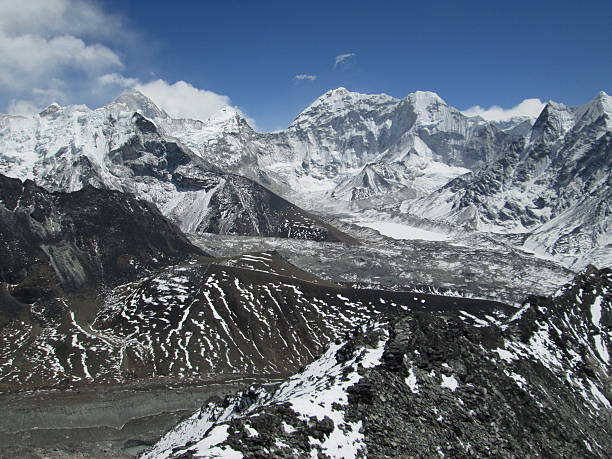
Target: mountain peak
x,y
225,113
137,101
341,91
603,100
54,107
600,105
333,96
227,119
425,98
340,100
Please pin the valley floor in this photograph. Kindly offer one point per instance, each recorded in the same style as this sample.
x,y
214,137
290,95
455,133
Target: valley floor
x,y
474,264
104,421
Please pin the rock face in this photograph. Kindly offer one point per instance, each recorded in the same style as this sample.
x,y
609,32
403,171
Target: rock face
x,y
59,254
116,148
535,384
54,242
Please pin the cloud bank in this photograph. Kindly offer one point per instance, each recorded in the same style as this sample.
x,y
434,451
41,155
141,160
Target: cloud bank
x,y
529,107
48,45
65,51
182,100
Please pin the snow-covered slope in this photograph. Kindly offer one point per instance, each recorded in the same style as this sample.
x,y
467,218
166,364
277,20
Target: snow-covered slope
x,y
417,143
556,186
423,385
548,180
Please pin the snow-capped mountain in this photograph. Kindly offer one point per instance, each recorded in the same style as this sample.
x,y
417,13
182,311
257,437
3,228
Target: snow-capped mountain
x,y
547,179
416,144
534,384
555,185
116,147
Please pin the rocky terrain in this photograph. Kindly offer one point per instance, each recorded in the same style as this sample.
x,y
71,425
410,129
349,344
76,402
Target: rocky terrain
x,y
472,265
99,287
148,264
60,252
532,384
555,186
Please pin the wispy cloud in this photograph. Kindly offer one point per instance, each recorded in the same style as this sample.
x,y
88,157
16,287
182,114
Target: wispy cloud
x,y
305,76
342,57
183,100
528,107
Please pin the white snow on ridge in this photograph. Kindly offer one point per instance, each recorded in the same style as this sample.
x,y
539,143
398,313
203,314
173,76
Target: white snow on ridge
x,y
402,231
319,391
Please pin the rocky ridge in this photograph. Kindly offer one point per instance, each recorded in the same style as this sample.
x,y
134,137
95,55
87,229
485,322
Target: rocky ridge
x,y
534,384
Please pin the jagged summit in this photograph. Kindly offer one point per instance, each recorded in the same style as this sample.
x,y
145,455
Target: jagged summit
x,y
137,101
338,102
337,92
425,98
600,105
227,115
52,108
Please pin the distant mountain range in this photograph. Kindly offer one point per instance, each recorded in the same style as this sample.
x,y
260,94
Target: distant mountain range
x,y
545,180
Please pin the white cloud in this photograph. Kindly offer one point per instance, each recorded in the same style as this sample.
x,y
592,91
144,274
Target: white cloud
x,y
182,100
56,47
116,79
64,51
528,107
304,76
342,57
22,107
48,18
28,60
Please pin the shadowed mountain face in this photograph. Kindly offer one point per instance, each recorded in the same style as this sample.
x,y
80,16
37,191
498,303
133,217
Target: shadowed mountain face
x,y
535,384
70,241
59,254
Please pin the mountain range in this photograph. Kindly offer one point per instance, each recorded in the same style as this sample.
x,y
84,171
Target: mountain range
x,y
546,181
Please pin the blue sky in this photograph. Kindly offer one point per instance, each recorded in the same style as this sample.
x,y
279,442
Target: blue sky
x,y
248,53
